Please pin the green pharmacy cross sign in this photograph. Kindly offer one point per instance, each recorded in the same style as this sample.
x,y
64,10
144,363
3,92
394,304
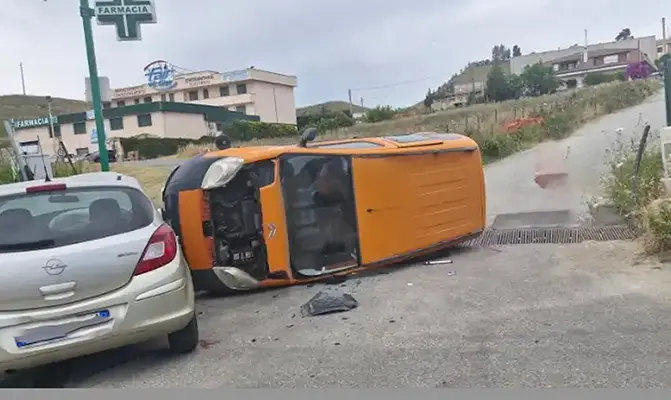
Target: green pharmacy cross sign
x,y
126,15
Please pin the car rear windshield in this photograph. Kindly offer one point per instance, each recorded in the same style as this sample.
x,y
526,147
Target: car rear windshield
x,y
42,220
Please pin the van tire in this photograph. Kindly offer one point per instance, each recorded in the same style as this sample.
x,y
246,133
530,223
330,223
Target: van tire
x,y
186,339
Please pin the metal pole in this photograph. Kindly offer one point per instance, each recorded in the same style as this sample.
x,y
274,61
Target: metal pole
x,y
87,13
54,143
23,79
667,91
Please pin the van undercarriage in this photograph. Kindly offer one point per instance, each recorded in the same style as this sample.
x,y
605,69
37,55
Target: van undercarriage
x,y
237,227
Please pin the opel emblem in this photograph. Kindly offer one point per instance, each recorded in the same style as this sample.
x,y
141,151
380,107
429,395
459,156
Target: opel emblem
x,y
54,267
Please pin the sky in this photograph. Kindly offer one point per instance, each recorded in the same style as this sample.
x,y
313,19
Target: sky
x,y
389,52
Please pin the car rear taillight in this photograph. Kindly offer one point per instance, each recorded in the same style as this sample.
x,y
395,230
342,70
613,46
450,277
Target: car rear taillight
x,y
50,187
161,249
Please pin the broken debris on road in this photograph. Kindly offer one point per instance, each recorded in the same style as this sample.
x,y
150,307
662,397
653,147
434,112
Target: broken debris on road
x,y
328,302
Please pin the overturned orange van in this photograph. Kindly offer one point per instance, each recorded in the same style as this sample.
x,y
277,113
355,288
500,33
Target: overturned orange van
x,y
253,217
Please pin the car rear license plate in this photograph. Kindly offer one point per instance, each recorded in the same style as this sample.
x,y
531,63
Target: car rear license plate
x,y
49,333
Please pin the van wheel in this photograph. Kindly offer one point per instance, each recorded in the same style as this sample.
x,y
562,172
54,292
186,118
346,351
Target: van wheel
x,y
186,339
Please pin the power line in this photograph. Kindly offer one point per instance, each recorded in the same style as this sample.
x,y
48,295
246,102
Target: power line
x,y
394,84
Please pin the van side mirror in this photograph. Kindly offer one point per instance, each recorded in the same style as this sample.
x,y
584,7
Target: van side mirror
x,y
308,135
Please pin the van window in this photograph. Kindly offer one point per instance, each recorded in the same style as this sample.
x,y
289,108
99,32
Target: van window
x,y
348,145
409,138
441,136
62,218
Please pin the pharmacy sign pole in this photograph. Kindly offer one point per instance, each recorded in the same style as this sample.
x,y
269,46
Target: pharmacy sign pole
x,y
127,15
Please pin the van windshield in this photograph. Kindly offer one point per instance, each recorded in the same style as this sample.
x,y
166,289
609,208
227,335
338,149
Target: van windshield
x,y
60,218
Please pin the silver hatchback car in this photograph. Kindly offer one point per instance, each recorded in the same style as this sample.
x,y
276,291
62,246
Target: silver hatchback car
x,y
87,264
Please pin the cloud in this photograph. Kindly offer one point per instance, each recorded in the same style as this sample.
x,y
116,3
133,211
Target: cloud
x,y
330,46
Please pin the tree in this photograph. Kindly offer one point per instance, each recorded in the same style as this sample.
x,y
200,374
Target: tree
x,y
517,51
624,34
539,80
660,63
380,113
429,99
500,53
516,86
497,88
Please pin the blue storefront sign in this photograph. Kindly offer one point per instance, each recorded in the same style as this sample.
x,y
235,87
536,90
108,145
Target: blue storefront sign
x,y
160,75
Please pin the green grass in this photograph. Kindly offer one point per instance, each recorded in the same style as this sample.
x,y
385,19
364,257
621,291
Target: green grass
x,y
330,106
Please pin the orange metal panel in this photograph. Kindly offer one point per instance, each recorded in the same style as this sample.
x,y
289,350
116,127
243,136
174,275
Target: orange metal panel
x,y
412,202
274,216
192,213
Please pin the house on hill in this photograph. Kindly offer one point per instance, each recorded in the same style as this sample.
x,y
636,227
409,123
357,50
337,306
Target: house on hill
x,y
471,82
576,62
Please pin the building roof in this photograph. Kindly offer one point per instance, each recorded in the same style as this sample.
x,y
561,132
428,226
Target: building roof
x,y
592,54
211,113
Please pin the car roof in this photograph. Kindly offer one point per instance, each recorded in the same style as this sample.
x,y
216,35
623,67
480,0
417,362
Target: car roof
x,y
91,179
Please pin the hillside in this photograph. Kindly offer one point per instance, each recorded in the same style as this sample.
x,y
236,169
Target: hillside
x,y
330,106
22,107
478,73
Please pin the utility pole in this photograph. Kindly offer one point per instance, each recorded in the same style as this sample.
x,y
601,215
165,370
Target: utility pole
x,y
362,102
87,13
351,107
23,79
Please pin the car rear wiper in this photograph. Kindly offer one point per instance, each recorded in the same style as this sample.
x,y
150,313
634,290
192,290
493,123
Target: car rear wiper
x,y
24,246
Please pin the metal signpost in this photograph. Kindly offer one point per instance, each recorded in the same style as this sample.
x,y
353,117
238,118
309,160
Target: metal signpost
x,y
126,15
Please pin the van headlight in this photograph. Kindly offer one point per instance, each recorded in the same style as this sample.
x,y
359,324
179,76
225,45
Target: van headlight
x,y
221,172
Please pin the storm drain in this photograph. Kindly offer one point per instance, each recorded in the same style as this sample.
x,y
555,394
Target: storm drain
x,y
499,237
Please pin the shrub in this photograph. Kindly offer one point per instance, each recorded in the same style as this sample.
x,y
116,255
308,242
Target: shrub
x,y
240,131
657,226
617,184
599,78
244,131
380,113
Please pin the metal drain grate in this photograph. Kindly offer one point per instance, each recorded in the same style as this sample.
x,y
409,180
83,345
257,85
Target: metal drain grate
x,y
494,237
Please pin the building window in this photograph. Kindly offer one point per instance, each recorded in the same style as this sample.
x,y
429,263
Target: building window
x,y
136,101
660,50
224,91
193,95
148,99
622,57
242,88
107,104
242,109
171,97
57,130
82,151
611,59
116,124
144,120
163,97
79,128
206,94
120,103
